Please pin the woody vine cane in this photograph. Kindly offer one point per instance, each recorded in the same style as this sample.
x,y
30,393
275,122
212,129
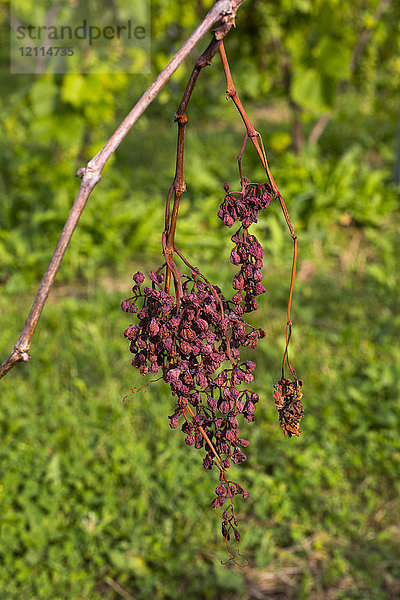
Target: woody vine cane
x,y
192,332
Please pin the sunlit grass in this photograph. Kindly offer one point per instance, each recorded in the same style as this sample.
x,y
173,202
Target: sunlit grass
x,y
97,490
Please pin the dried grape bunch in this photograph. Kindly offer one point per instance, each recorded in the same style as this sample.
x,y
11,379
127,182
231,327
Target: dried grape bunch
x,y
191,336
194,339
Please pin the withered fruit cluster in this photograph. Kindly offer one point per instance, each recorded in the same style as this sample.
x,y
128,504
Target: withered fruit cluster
x,y
194,340
288,397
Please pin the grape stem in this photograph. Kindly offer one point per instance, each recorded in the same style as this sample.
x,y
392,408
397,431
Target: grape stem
x,y
259,146
179,186
205,436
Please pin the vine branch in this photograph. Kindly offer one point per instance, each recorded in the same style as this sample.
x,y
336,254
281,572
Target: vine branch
x,y
222,12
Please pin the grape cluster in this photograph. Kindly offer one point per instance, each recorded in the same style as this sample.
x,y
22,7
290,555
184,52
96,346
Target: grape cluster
x,y
194,340
244,206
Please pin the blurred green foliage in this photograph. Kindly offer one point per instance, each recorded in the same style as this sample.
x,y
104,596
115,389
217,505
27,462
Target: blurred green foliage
x,y
96,493
53,124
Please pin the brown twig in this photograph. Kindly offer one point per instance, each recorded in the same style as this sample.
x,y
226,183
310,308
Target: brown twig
x,y
118,588
223,11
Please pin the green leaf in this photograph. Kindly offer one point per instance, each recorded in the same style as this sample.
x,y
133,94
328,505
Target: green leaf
x,y
307,90
334,58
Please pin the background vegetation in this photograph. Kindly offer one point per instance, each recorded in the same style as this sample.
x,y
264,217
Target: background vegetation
x,y
99,499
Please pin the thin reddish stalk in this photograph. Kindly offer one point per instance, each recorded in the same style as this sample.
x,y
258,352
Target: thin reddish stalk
x,y
172,268
289,323
205,436
181,119
254,135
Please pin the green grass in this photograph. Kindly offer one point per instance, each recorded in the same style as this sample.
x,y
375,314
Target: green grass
x,y
97,493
